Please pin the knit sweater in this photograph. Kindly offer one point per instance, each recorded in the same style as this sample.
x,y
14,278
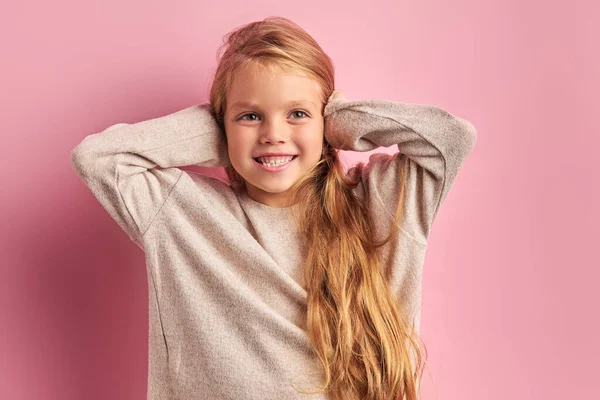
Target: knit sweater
x,y
227,304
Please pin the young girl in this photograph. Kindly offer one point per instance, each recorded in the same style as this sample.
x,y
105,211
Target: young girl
x,y
295,277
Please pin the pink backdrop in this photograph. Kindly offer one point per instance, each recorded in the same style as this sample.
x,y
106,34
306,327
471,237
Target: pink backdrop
x,y
510,300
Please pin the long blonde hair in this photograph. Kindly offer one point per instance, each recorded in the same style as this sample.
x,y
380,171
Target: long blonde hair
x,y
359,331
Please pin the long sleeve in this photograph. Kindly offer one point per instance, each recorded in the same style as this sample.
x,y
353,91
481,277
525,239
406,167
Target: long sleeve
x,y
432,146
132,168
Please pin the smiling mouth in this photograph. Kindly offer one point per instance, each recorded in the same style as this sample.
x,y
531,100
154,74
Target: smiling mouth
x,y
258,161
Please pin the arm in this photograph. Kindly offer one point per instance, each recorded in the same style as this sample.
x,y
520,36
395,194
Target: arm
x,y
132,168
432,146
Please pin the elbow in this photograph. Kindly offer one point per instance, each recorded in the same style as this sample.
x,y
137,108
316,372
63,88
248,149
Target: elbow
x,y
469,134
83,156
78,160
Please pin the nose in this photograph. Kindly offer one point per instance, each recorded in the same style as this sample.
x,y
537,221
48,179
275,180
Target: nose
x,y
273,132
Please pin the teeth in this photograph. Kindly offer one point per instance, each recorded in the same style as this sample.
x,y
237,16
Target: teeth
x,y
275,161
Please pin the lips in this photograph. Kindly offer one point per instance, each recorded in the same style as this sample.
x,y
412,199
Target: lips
x,y
275,155
282,155
275,168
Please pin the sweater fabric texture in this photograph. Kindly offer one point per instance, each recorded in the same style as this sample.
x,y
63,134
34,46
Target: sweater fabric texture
x,y
227,304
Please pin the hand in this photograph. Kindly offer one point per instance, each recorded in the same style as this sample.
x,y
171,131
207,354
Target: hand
x,y
332,134
337,94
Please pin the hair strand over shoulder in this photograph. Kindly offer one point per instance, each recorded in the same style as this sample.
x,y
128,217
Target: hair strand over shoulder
x,y
360,333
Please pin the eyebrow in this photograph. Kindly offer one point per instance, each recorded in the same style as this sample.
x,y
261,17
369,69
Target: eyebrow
x,y
245,104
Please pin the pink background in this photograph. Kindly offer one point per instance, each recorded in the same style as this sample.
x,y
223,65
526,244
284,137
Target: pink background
x,y
510,290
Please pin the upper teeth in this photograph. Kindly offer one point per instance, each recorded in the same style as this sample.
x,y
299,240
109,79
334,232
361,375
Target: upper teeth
x,y
271,161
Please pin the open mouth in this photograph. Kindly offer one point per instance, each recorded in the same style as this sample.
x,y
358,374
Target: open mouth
x,y
272,164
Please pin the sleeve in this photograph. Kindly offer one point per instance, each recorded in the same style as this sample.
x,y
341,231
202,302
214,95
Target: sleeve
x,y
432,146
132,168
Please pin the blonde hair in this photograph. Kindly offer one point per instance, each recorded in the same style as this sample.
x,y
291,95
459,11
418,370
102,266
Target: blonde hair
x,y
359,331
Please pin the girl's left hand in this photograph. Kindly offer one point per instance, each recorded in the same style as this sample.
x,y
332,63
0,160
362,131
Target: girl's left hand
x,y
337,94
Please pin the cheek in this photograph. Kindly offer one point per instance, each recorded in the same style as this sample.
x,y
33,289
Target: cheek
x,y
235,151
239,150
313,144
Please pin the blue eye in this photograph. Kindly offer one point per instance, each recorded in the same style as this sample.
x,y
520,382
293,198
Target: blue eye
x,y
245,115
300,111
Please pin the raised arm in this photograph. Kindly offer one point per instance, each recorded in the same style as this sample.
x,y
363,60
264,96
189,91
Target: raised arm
x,y
132,168
432,146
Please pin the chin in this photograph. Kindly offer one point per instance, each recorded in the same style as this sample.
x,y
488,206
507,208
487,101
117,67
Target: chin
x,y
274,188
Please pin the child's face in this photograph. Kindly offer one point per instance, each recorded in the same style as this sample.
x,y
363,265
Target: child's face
x,y
272,124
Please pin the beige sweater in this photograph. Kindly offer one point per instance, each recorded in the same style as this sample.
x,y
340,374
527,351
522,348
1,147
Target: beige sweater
x,y
227,302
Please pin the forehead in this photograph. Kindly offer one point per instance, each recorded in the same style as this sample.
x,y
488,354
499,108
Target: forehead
x,y
288,104
272,87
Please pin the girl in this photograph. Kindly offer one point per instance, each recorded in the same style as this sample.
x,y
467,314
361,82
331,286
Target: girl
x,y
294,279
